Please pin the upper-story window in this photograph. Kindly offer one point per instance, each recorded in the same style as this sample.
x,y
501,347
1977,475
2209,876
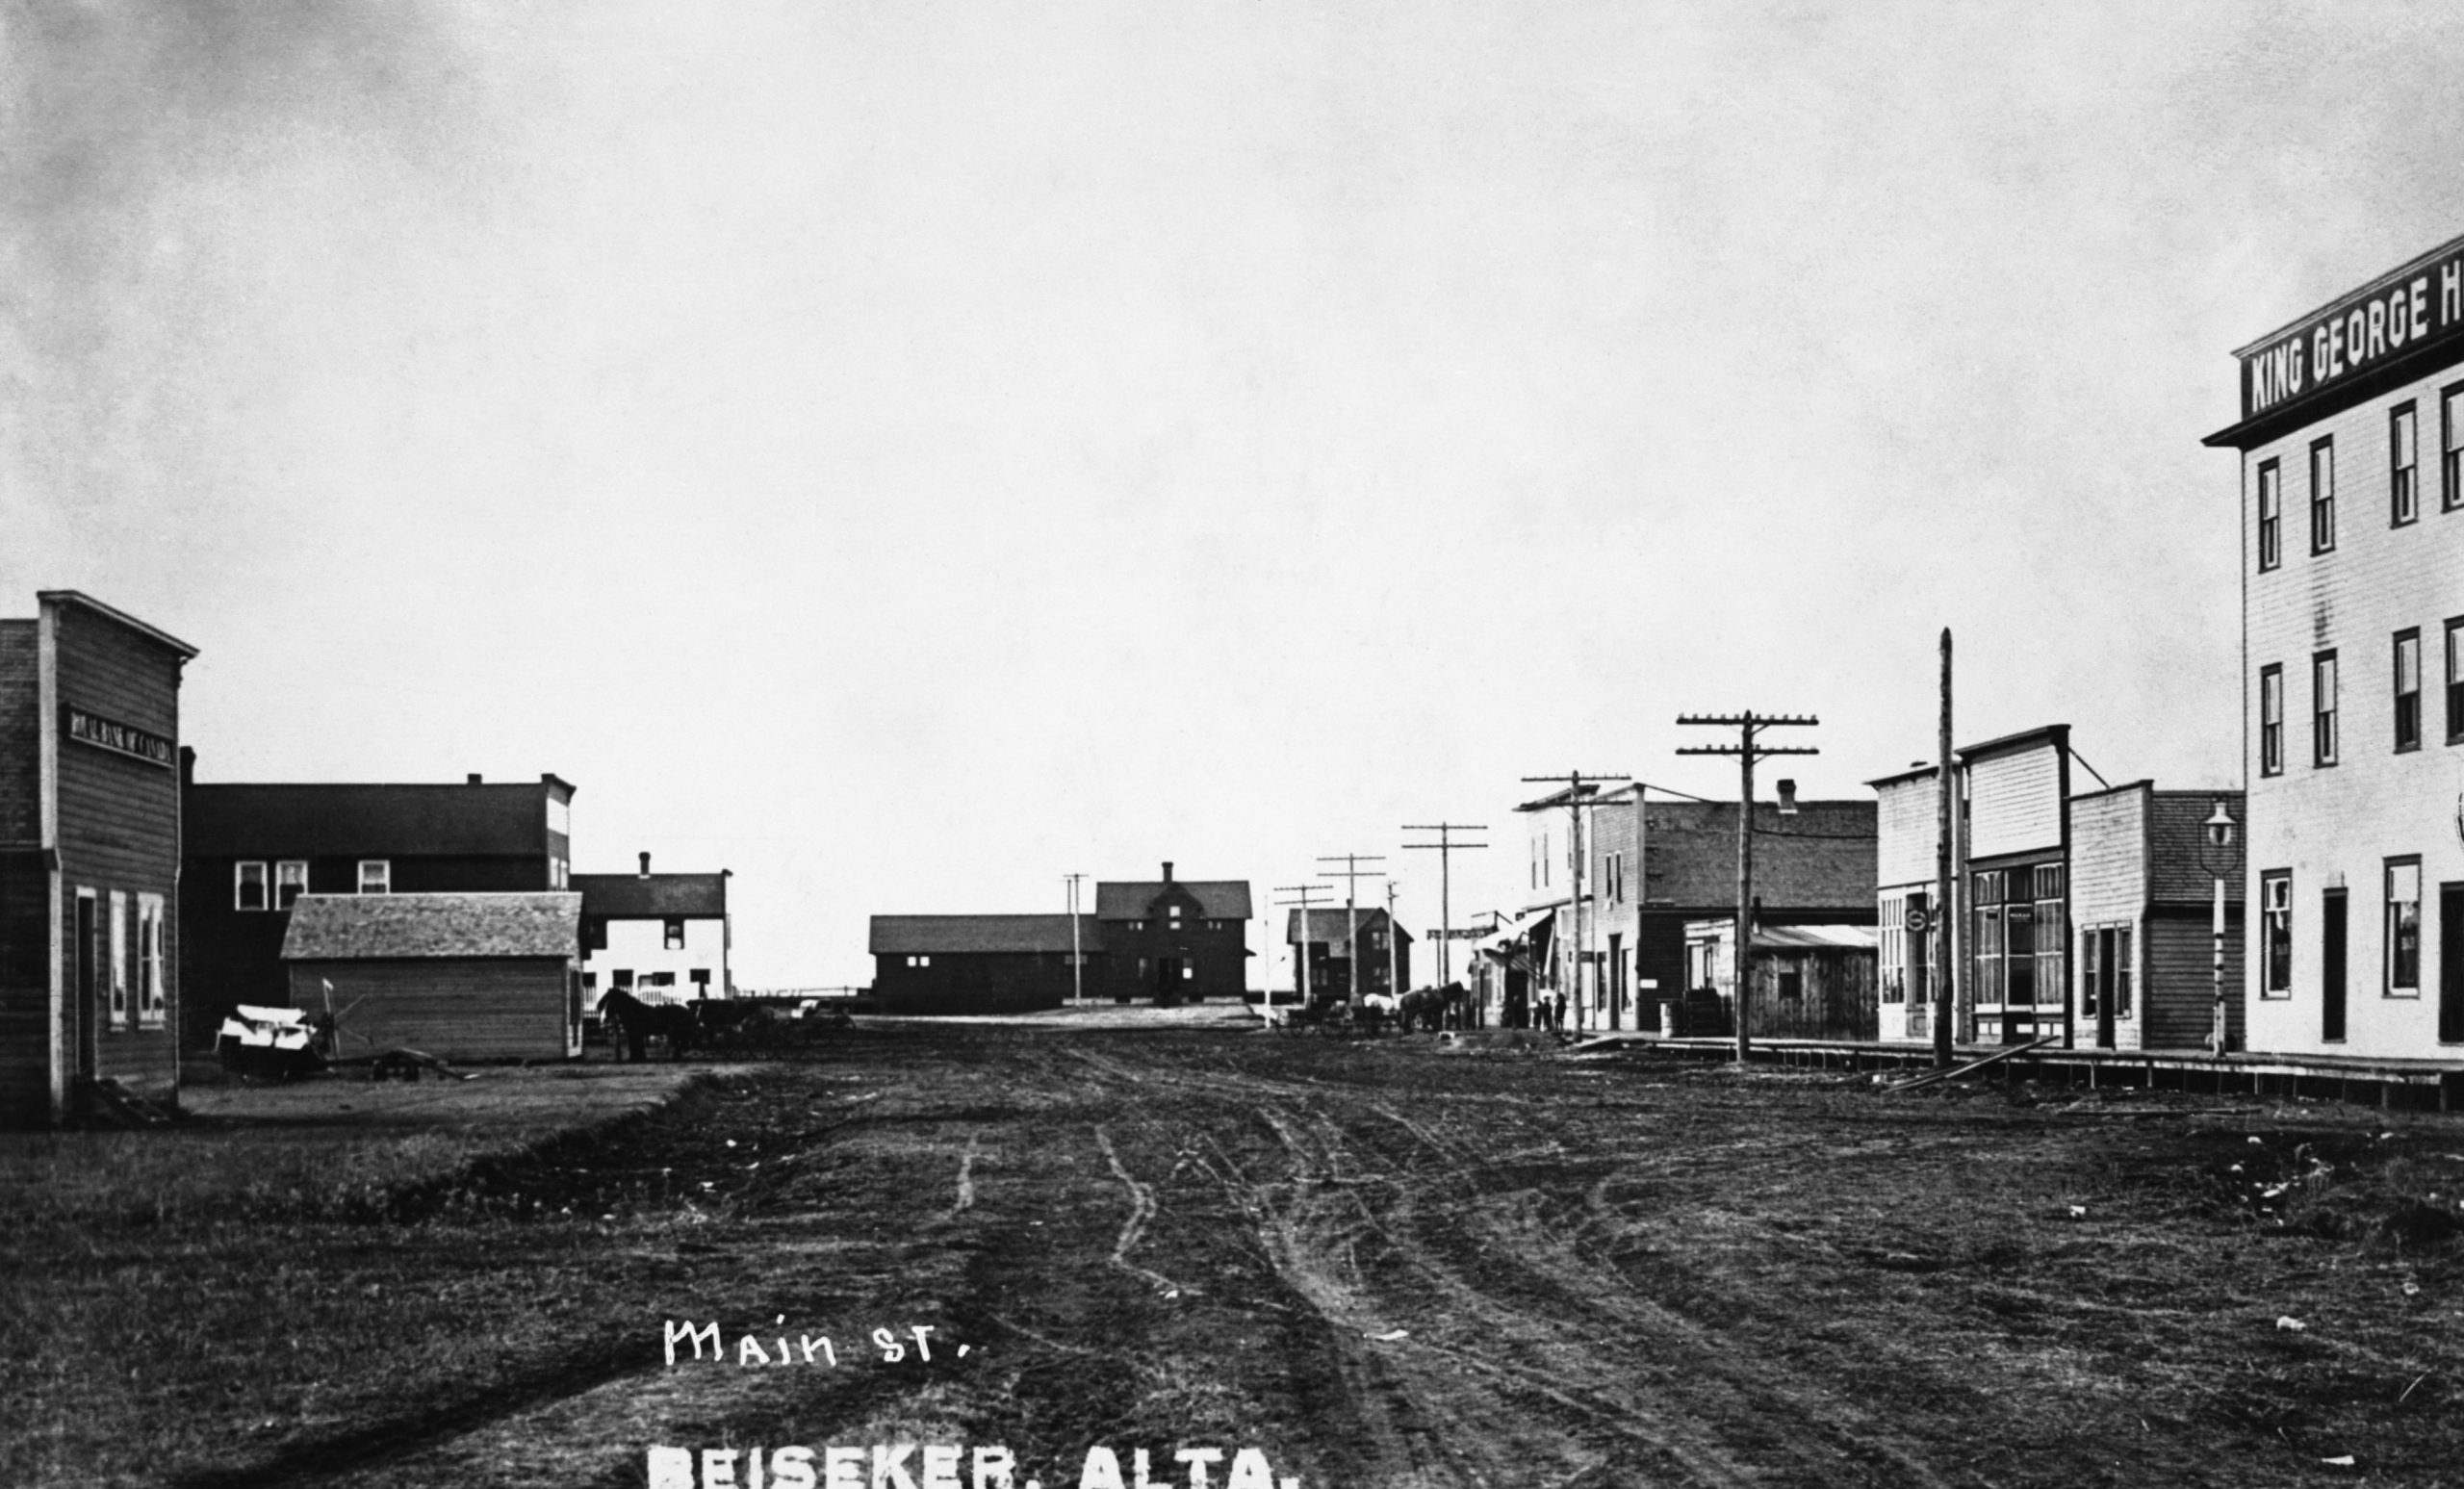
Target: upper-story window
x,y
2322,496
2404,466
2455,681
2408,689
2322,708
560,817
375,876
2450,446
248,885
1174,911
2270,515
672,933
289,882
2272,720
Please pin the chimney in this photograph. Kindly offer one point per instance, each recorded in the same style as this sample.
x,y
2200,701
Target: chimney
x,y
645,865
187,764
1787,797
1168,871
472,779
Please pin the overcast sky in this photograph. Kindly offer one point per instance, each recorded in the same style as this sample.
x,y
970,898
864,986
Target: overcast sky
x,y
907,453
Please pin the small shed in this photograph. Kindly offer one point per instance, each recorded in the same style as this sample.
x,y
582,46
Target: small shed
x,y
1811,982
458,976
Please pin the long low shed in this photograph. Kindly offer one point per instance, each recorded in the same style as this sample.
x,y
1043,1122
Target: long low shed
x,y
458,976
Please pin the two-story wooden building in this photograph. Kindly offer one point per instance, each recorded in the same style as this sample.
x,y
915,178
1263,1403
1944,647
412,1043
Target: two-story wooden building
x,y
89,857
253,850
1174,939
1335,939
664,937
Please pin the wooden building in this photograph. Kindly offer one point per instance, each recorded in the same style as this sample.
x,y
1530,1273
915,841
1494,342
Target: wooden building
x,y
252,850
457,976
2143,877
981,963
664,937
2350,470
1652,865
1384,950
89,857
1174,939
1811,982
2012,885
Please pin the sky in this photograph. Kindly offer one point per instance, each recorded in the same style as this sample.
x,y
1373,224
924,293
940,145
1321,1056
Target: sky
x,y
907,453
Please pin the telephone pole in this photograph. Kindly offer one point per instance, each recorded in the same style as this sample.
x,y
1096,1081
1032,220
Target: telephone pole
x,y
1445,848
1352,874
1576,802
1947,872
1077,954
1748,725
1395,942
1301,953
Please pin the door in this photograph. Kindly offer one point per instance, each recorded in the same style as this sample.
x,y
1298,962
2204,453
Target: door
x,y
2450,964
2332,967
2101,984
1168,979
88,950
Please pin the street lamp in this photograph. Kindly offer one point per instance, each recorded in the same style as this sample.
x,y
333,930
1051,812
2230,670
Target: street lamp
x,y
2215,856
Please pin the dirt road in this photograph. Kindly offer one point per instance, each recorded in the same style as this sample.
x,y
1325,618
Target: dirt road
x,y
1399,1263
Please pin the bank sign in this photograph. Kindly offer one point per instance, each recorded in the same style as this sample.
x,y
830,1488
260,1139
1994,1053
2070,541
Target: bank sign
x,y
2358,334
118,738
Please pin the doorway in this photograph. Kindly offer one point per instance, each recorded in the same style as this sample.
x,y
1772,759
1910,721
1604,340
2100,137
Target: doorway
x,y
2450,964
87,951
2331,967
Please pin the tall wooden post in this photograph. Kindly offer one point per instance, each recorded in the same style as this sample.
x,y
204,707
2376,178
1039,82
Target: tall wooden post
x,y
1748,725
1946,865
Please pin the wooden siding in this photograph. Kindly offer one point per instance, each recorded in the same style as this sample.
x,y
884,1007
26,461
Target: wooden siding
x,y
2014,802
118,829
1836,996
454,1008
980,982
2109,856
20,744
1908,823
1220,956
25,989
2339,824
2176,1004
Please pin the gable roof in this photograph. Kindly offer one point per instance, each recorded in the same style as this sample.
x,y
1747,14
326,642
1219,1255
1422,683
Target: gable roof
x,y
366,821
949,935
652,896
356,927
1128,899
1333,925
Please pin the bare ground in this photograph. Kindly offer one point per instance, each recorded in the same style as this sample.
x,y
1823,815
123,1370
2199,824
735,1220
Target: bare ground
x,y
1390,1262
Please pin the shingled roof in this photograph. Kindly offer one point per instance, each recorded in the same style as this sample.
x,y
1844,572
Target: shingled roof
x,y
378,821
1333,925
652,896
948,935
361,927
1132,899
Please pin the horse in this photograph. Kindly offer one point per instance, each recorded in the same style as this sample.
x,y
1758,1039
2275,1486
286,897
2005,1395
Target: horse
x,y
634,1022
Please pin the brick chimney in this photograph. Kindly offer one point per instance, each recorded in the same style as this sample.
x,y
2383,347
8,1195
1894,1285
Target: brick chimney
x,y
1168,871
472,779
645,865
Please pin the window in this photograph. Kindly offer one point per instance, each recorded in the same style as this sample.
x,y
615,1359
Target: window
x,y
151,996
560,817
2270,516
2322,708
2275,925
2404,927
2455,681
559,874
1612,874
2408,690
700,978
2052,933
2322,496
658,979
1986,937
1175,916
2272,720
919,961
375,876
1892,945
2451,445
673,934
623,977
2404,458
120,1009
289,882
248,886
2105,964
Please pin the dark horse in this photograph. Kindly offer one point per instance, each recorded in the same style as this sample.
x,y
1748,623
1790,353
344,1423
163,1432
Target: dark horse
x,y
632,1022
